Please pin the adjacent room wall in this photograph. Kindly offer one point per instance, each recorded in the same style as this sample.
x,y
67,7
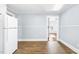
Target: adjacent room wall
x,y
69,26
33,27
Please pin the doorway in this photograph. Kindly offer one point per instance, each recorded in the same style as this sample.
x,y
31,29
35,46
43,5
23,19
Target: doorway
x,y
53,28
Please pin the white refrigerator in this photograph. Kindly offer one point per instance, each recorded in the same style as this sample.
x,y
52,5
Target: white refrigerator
x,y
10,36
8,32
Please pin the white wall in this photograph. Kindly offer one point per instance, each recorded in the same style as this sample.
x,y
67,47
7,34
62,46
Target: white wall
x,y
33,27
69,27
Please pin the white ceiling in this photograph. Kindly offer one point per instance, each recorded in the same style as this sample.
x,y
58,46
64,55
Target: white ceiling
x,y
35,8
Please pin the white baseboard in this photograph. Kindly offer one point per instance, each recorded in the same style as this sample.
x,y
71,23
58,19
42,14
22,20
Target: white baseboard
x,y
33,39
70,46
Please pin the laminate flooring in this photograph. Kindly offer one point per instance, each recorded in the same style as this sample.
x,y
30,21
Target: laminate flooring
x,y
42,47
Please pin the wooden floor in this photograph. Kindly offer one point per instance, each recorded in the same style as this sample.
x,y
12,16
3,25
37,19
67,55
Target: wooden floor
x,y
42,47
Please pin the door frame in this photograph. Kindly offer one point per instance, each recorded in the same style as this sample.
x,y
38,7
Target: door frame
x,y
48,26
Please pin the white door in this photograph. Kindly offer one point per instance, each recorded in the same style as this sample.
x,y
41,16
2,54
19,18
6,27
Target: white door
x,y
10,40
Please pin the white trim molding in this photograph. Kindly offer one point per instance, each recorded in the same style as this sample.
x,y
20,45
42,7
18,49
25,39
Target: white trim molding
x,y
69,46
33,39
